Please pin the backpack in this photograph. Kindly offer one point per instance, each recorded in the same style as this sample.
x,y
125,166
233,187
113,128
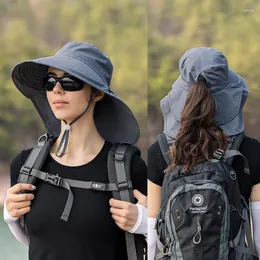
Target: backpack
x,y
199,210
119,162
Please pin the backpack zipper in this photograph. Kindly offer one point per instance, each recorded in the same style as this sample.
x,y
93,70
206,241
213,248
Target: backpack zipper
x,y
197,237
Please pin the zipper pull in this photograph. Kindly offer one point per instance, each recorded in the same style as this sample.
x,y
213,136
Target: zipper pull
x,y
219,210
197,237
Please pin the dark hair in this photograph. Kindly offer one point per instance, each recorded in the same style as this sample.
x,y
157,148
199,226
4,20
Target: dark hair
x,y
198,137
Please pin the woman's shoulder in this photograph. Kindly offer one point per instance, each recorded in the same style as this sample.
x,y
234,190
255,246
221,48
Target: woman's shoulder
x,y
250,147
156,164
20,158
249,141
154,149
138,171
17,163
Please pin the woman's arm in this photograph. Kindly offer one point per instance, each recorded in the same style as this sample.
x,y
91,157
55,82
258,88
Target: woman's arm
x,y
154,200
255,211
15,227
15,206
129,216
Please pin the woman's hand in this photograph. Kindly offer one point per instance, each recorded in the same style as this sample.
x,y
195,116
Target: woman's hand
x,y
19,204
125,213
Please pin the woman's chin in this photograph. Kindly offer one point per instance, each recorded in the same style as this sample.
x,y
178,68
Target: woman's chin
x,y
63,117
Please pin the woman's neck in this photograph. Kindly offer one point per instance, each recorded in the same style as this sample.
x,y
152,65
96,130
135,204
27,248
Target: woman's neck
x,y
83,145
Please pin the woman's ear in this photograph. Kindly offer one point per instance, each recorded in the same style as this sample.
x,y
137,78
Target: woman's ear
x,y
98,95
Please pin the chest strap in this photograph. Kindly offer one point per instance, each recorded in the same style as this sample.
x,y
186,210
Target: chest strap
x,y
68,183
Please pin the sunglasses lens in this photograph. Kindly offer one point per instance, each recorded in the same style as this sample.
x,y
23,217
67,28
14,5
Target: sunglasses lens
x,y
67,83
70,84
49,83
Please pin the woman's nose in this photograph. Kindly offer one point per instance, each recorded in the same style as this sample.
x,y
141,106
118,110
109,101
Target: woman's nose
x,y
58,88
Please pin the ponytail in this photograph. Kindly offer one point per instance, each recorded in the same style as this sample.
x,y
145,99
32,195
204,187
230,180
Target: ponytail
x,y
198,137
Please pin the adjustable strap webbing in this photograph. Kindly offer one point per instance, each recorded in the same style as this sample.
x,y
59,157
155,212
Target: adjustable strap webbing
x,y
68,183
124,196
164,146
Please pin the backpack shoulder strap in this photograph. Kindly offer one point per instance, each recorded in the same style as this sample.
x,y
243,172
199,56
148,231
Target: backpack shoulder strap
x,y
230,154
36,159
119,171
119,167
234,143
163,143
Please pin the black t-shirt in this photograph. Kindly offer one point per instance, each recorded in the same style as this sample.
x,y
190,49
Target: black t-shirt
x,y
90,232
249,147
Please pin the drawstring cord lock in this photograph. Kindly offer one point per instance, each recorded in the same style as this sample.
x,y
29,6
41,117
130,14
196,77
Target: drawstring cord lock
x,y
67,127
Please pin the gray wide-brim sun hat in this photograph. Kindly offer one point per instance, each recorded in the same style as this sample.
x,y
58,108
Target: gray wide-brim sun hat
x,y
228,89
114,120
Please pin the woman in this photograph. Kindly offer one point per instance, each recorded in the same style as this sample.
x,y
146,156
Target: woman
x,y
199,113
71,92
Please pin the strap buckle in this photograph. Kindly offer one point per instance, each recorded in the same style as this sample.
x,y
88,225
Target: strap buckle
x,y
43,139
119,156
124,185
218,154
54,179
25,170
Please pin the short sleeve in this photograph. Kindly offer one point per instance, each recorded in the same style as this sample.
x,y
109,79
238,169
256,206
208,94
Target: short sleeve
x,y
139,174
156,164
255,172
16,165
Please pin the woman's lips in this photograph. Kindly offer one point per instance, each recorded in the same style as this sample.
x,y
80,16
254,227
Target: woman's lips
x,y
59,103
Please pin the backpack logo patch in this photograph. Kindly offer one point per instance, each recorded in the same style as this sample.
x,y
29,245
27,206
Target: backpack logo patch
x,y
197,200
96,186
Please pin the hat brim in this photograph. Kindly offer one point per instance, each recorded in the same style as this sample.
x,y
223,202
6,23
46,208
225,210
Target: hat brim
x,y
229,102
113,118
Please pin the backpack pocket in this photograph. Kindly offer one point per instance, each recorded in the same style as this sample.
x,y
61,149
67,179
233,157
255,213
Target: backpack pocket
x,y
195,222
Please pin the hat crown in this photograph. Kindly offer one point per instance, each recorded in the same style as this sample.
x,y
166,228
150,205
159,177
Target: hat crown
x,y
209,62
91,56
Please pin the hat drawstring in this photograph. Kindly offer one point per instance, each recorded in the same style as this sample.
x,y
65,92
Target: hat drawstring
x,y
65,137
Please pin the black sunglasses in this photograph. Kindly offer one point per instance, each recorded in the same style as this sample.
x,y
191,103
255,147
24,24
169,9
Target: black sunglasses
x,y
68,83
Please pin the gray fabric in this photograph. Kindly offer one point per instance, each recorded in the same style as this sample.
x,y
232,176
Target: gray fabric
x,y
67,183
162,140
121,173
159,256
232,153
114,120
246,250
227,87
56,180
233,243
247,228
69,202
243,250
125,196
95,185
234,144
32,158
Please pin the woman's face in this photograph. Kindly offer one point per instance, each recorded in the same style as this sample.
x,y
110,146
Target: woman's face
x,y
67,105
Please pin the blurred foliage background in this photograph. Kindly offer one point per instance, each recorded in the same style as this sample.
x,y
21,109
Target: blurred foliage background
x,y
37,28
144,39
174,26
